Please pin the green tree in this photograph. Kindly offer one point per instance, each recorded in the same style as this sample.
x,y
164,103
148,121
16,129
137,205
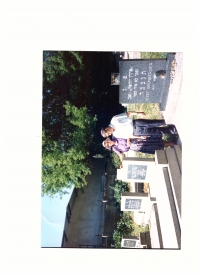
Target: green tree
x,y
63,80
64,161
59,63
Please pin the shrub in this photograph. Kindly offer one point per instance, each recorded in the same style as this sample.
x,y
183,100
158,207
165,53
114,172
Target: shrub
x,y
116,162
127,227
124,227
120,186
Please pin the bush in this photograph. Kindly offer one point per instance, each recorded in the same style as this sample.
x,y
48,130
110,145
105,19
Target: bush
x,y
116,162
127,227
120,186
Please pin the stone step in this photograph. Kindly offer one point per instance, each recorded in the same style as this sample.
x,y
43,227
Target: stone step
x,y
178,152
175,175
145,239
164,222
173,206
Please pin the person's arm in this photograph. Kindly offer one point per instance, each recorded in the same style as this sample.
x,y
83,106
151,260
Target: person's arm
x,y
141,137
135,113
128,142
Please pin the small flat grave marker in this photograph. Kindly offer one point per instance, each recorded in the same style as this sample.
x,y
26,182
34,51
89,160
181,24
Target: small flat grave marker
x,y
137,172
131,201
130,242
133,204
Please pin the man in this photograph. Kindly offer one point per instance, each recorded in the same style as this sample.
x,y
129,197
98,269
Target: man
x,y
122,126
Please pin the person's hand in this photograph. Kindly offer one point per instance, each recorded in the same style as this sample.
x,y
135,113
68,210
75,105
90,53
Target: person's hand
x,y
128,143
143,137
121,166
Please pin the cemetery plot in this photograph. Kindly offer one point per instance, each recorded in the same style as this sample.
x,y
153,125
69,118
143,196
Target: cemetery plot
x,y
145,81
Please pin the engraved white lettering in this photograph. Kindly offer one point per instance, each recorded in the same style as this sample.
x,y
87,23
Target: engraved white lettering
x,y
136,72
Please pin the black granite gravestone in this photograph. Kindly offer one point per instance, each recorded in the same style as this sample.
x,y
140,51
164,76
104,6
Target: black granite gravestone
x,y
145,80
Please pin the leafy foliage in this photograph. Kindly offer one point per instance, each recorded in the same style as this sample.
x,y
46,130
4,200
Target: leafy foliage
x,y
126,227
116,162
69,129
59,63
60,70
64,162
120,186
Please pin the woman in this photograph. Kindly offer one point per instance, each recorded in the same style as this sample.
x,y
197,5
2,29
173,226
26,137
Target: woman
x,y
144,144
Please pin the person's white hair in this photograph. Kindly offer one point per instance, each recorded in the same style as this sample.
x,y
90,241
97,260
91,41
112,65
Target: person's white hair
x,y
103,133
103,143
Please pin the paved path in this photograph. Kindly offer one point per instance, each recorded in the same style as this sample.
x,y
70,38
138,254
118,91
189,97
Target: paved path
x,y
173,112
87,214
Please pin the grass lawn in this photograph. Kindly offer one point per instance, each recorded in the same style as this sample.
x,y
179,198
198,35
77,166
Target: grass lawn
x,y
151,110
147,55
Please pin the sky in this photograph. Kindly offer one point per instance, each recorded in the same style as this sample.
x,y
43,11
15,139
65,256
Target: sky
x,y
53,213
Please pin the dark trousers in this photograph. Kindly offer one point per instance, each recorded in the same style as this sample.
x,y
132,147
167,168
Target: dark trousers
x,y
146,127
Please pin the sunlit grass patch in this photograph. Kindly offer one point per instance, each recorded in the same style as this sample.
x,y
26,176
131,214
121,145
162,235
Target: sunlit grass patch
x,y
147,55
151,110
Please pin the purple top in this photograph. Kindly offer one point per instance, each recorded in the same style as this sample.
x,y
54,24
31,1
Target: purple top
x,y
149,145
121,146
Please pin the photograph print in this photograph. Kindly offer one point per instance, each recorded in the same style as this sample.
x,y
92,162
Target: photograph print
x,y
107,119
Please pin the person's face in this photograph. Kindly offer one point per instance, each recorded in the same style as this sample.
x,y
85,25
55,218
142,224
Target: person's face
x,y
108,143
108,131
